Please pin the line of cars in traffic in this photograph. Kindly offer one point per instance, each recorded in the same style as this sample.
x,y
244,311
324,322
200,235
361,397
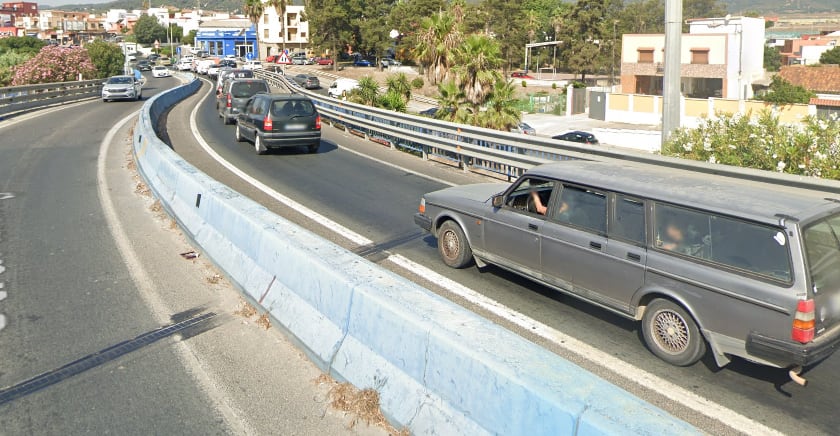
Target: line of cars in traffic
x,y
268,120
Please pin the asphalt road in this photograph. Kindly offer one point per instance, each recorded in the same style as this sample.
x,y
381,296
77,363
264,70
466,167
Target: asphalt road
x,y
87,263
378,201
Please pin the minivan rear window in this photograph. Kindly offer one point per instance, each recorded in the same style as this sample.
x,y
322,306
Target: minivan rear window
x,y
747,246
822,247
292,108
247,89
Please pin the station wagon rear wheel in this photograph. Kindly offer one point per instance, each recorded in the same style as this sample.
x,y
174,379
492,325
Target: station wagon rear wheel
x,y
258,145
671,333
453,246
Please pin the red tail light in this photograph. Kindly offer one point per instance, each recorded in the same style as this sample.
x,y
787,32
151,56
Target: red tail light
x,y
804,322
318,122
267,123
229,100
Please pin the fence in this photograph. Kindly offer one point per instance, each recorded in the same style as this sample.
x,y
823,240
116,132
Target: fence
x,y
21,98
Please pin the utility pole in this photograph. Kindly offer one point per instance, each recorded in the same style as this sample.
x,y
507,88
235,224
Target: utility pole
x,y
671,79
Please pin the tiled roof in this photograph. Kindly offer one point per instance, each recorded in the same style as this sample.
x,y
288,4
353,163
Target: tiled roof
x,y
825,78
824,102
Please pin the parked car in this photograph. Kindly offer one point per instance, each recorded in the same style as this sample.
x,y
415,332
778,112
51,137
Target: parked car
x,y
252,65
704,262
165,60
578,136
361,63
144,65
279,120
324,61
122,88
389,62
160,71
307,81
235,94
524,128
520,75
300,59
213,70
341,87
153,57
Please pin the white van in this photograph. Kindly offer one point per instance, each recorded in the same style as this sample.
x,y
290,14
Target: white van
x,y
341,87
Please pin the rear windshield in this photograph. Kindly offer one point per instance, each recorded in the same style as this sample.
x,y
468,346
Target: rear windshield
x,y
247,89
292,108
747,246
822,247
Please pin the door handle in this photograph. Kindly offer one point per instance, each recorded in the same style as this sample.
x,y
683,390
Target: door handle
x,y
595,245
634,257
532,227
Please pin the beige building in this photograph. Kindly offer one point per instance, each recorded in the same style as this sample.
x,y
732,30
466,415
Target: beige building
x,y
719,57
293,31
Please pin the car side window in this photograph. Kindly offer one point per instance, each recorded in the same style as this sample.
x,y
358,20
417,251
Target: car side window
x,y
582,207
629,220
249,107
531,195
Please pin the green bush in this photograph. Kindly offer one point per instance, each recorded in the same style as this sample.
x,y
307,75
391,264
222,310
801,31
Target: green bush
x,y
417,82
811,148
524,84
553,85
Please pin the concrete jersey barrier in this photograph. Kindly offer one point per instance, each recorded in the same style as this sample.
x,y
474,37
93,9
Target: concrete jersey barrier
x,y
439,368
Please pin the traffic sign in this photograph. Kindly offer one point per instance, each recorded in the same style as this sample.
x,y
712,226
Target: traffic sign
x,y
284,59
157,44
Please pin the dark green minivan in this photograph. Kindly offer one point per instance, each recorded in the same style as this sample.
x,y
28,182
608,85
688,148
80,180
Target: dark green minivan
x,y
279,120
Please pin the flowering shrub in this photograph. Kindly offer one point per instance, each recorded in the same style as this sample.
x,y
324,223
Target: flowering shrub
x,y
55,64
811,148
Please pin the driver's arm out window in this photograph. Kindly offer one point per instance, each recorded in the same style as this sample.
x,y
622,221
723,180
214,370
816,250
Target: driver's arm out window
x,y
531,194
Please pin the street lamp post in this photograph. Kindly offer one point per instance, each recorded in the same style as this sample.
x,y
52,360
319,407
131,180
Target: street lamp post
x,y
612,59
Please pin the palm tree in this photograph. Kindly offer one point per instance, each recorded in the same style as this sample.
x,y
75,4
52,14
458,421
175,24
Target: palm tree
x,y
502,111
280,7
399,84
367,92
451,103
254,11
477,61
438,37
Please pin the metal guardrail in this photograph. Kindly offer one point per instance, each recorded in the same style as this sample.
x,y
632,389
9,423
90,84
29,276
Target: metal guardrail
x,y
503,153
20,98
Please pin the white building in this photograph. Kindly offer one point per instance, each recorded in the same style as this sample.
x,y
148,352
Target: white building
x,y
720,57
294,32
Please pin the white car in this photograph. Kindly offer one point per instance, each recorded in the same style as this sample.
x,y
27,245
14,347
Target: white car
x,y
184,66
202,65
213,70
252,65
160,71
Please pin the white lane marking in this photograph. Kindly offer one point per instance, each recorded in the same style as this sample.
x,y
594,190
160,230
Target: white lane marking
x,y
309,213
148,291
6,195
639,376
395,166
643,378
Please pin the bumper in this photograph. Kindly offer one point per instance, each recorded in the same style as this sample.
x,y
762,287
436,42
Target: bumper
x,y
127,95
280,140
423,222
786,353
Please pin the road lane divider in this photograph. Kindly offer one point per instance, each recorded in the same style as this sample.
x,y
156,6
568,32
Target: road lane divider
x,y
438,367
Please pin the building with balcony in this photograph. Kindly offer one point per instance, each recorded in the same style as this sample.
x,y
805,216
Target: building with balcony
x,y
274,33
719,57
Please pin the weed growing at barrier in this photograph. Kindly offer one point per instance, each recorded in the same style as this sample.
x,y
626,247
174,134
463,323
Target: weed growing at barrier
x,y
360,404
263,321
245,309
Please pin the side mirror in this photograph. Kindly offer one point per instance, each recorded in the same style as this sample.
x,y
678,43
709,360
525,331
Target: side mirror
x,y
498,200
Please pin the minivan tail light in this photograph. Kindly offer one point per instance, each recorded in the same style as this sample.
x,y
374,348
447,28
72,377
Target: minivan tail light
x,y
267,123
804,322
318,122
229,100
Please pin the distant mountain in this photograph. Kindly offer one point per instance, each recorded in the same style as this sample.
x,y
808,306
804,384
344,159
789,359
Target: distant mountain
x,y
782,6
774,7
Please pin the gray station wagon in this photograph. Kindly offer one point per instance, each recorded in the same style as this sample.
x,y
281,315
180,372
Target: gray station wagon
x,y
739,267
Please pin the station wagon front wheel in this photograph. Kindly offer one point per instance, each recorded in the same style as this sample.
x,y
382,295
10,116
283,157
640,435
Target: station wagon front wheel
x,y
671,333
238,134
453,246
